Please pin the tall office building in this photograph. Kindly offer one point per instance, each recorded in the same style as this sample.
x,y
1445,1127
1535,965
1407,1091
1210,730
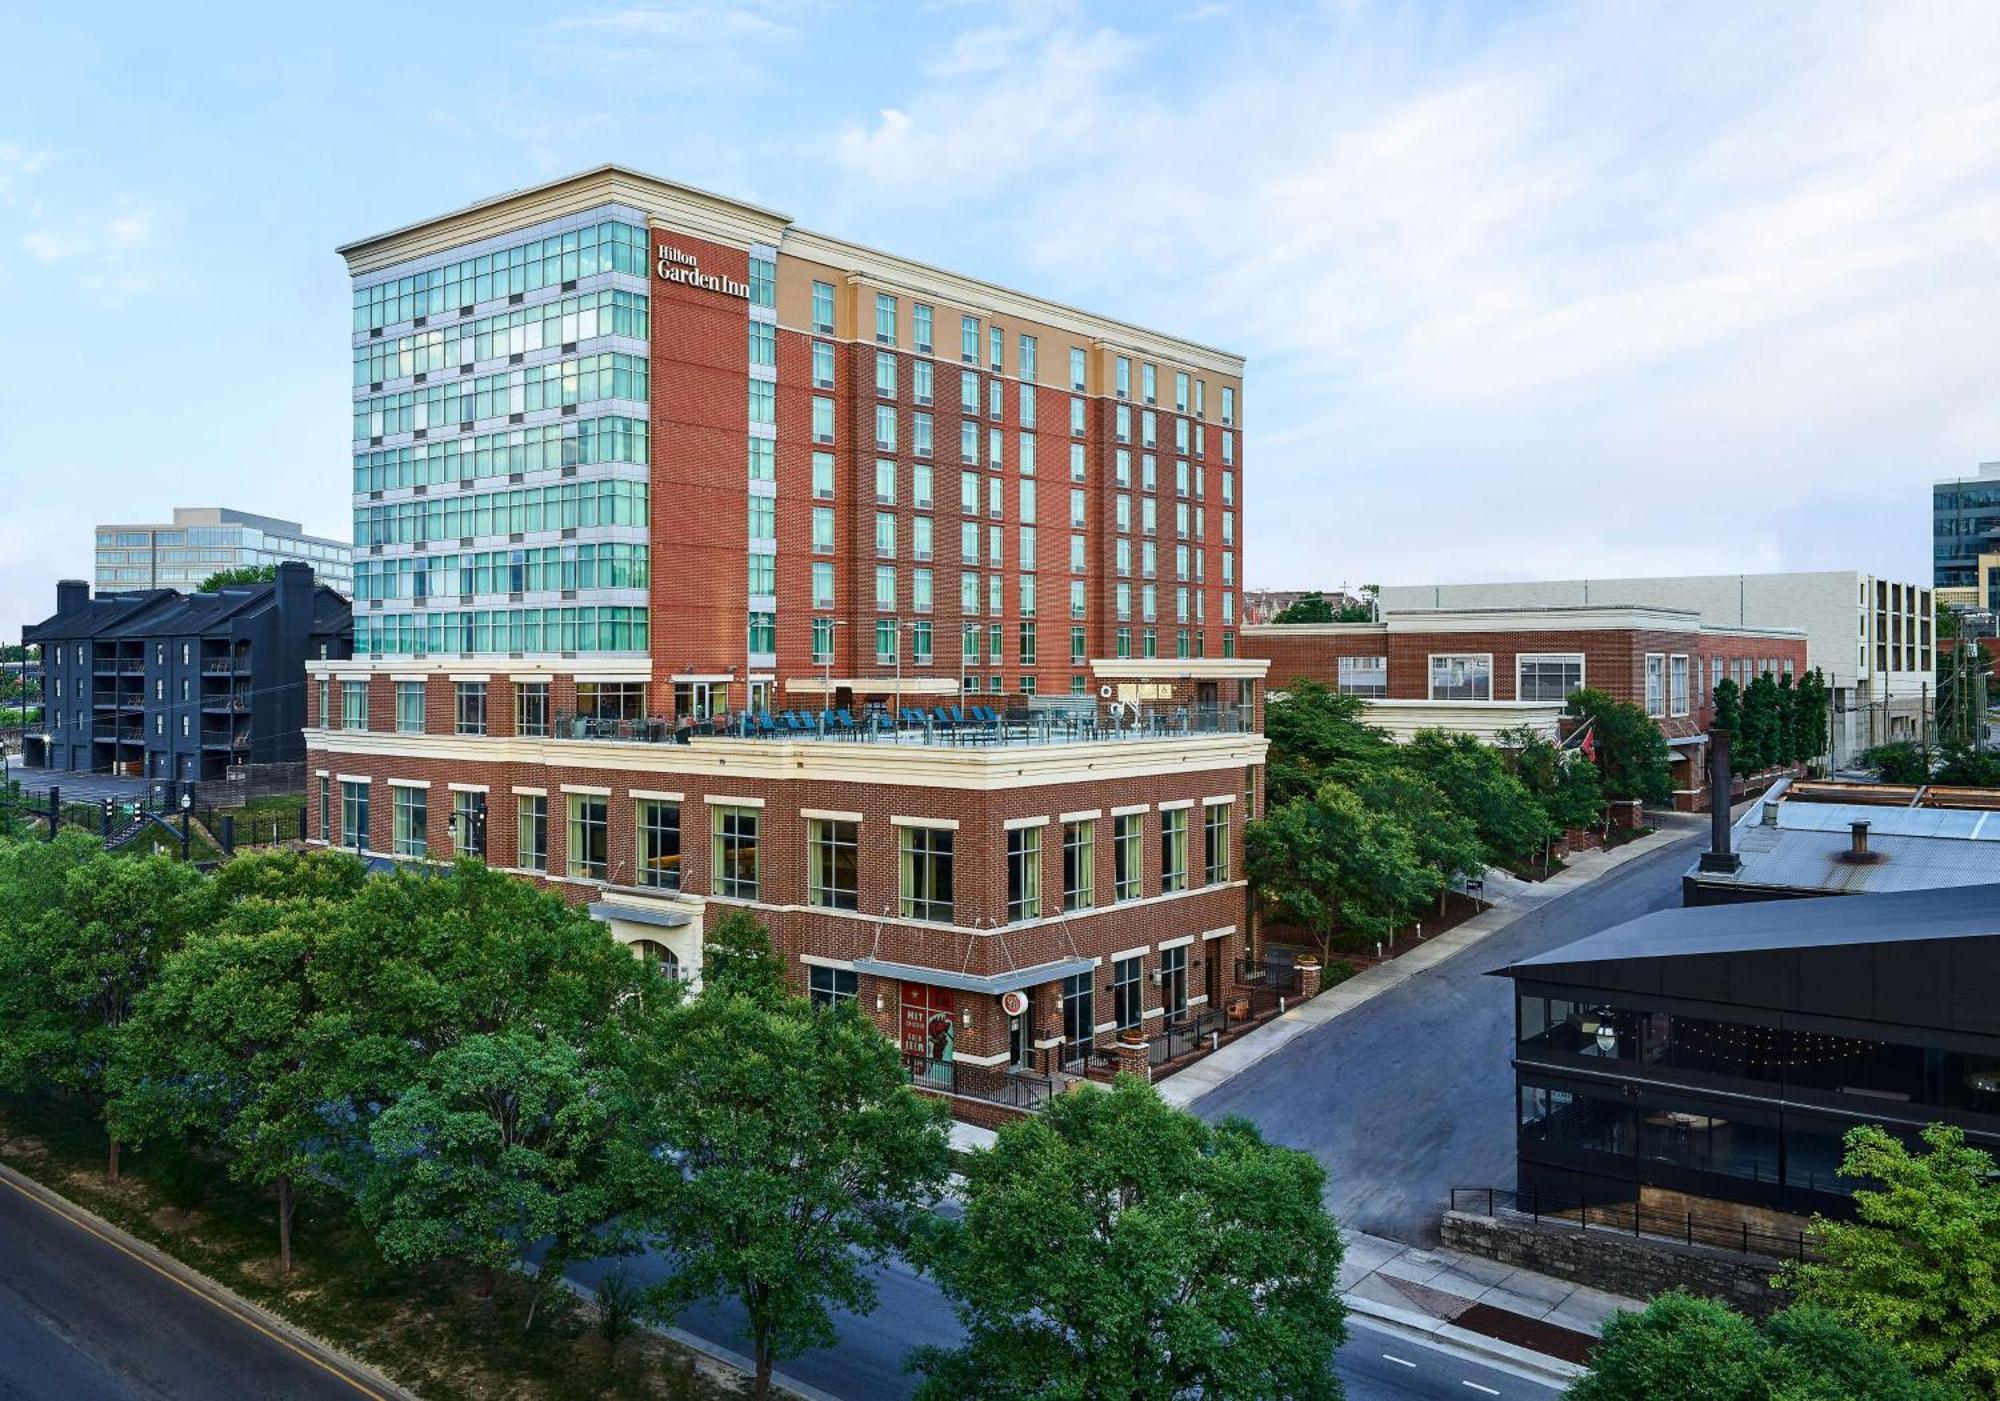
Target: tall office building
x,y
1965,538
629,457
204,540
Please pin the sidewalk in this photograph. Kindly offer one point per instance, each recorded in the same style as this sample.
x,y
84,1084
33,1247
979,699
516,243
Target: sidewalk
x,y
1510,899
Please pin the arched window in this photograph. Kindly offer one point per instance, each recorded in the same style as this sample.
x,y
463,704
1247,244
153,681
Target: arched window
x,y
658,955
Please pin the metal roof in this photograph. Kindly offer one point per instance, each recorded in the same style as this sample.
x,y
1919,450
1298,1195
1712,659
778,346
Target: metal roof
x,y
1958,912
1913,848
975,982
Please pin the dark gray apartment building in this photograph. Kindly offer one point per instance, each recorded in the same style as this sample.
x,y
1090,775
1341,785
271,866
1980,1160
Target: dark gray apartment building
x,y
160,684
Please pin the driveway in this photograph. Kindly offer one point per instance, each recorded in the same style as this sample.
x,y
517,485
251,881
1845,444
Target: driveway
x,y
1412,1093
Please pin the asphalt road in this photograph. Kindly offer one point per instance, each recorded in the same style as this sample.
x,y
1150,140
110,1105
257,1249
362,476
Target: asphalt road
x,y
867,1364
80,1318
1412,1094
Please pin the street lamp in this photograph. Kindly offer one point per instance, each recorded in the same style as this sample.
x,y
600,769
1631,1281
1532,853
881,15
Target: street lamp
x,y
187,804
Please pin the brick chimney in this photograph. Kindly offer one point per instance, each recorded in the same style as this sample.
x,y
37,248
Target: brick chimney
x,y
71,594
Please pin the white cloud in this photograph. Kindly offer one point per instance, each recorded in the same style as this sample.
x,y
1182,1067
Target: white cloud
x,y
685,45
17,163
112,253
1599,285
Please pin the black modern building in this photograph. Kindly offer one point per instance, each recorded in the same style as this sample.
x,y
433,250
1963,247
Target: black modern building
x,y
161,684
1965,523
1724,1051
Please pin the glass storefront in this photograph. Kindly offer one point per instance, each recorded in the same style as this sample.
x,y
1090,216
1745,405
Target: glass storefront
x,y
1790,1057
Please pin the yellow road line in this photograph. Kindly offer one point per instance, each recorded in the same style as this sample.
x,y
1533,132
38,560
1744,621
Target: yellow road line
x,y
212,1302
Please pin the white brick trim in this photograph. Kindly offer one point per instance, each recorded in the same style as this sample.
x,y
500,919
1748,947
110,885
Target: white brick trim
x,y
1022,824
1124,954
585,790
1128,810
408,782
1087,815
353,778
828,815
1176,804
1222,933
653,796
718,800
470,676
468,787
1220,800
1179,943
521,792
815,961
936,824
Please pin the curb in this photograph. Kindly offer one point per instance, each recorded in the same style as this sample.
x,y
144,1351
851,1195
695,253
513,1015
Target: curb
x,y
1186,1087
715,1352
363,1378
1451,1337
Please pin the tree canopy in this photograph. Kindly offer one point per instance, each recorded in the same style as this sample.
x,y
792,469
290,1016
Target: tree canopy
x,y
1919,1267
1631,752
1700,1350
792,1155
244,574
1115,1246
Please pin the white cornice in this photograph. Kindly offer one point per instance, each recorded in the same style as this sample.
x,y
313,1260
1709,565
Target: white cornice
x,y
1181,669
978,768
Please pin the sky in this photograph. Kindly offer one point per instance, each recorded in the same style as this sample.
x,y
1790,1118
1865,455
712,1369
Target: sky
x,y
1534,290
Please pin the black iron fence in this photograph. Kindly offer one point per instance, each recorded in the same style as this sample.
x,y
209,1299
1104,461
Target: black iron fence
x,y
1634,1218
1023,1089
1269,975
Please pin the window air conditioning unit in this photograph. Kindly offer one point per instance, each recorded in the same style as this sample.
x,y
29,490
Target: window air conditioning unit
x,y
1158,977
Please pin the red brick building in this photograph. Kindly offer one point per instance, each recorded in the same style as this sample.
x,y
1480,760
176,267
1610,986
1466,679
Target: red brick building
x,y
631,459
1486,670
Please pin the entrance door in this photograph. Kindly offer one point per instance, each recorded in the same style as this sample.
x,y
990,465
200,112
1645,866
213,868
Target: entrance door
x,y
1079,1017
1211,975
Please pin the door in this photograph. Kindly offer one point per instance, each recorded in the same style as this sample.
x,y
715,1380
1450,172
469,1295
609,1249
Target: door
x,y
1079,1017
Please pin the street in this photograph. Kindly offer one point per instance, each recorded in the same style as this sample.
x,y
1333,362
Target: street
x,y
81,1318
1376,1364
1403,1098
1411,1094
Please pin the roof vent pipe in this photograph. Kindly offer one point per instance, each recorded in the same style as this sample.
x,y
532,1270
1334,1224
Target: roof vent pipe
x,y
1857,844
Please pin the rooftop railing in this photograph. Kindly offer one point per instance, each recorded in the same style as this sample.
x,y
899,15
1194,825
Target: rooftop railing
x,y
955,726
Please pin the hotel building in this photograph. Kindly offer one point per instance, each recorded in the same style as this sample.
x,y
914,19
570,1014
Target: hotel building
x,y
905,604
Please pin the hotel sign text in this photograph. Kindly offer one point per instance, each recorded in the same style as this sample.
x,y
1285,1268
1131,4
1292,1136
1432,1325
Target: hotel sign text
x,y
675,266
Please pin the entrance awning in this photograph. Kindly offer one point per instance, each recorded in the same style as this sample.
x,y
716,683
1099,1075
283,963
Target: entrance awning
x,y
639,914
972,982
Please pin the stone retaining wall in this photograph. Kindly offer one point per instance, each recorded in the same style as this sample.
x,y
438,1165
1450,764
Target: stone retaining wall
x,y
1636,1267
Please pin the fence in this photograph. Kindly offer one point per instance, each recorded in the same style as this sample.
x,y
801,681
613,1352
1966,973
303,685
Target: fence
x,y
997,1084
1634,1218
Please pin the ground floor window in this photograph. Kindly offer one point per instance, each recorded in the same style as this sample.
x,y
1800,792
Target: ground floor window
x,y
533,828
353,815
829,987
412,828
589,837
1127,993
468,823
734,851
1174,980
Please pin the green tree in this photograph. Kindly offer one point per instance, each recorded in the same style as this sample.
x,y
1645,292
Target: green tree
x,y
1561,780
1631,752
280,876
1307,608
1316,734
246,574
237,1045
793,1155
1445,839
1962,766
1919,1267
737,959
1758,744
1700,1350
1330,866
1475,779
1728,707
506,1140
1899,761
1815,713
85,935
1115,1246
426,960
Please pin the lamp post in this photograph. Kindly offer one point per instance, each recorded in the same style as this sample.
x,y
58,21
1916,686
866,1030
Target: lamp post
x,y
187,802
826,669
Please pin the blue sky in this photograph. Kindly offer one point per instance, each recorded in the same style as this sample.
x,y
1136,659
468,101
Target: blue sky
x,y
1526,290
